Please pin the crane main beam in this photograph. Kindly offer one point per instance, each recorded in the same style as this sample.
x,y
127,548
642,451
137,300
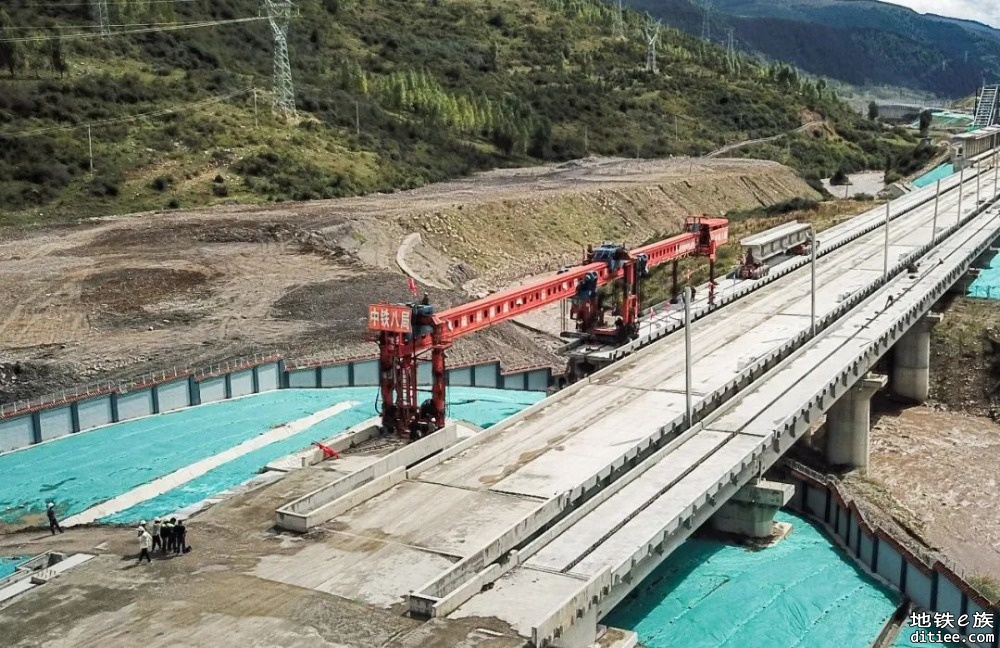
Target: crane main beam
x,y
405,331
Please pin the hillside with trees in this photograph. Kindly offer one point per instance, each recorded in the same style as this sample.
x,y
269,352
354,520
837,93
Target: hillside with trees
x,y
173,108
861,42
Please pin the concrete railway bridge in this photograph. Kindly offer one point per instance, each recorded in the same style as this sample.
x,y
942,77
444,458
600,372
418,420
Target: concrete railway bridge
x,y
549,519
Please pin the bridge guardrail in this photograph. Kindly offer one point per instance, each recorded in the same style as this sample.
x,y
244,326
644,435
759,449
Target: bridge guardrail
x,y
771,447
786,268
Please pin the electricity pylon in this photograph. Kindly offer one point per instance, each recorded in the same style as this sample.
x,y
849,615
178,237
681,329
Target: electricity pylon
x,y
279,12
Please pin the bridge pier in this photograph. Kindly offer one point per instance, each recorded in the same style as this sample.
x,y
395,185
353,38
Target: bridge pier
x,y
750,512
848,423
962,285
911,363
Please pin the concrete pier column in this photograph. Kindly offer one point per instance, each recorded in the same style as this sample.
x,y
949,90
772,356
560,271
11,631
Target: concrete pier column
x,y
750,512
848,423
911,362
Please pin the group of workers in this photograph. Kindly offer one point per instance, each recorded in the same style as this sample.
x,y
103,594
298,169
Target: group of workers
x,y
169,535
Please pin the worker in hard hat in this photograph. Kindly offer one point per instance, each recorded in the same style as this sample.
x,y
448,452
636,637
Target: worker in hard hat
x,y
155,532
53,522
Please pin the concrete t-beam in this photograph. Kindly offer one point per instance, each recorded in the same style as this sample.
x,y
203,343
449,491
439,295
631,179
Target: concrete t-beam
x,y
848,423
911,378
750,512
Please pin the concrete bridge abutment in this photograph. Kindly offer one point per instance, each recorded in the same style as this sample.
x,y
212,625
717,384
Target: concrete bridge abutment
x,y
911,364
848,423
750,512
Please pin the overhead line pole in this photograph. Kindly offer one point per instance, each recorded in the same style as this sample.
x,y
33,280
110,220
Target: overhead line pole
x,y
961,190
812,279
937,198
687,356
885,251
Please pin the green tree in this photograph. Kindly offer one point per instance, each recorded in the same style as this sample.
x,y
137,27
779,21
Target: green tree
x,y
925,122
57,59
872,111
11,52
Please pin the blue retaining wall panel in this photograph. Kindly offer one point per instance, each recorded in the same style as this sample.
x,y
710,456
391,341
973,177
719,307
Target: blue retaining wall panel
x,y
538,380
94,412
55,423
973,609
816,501
425,373
366,373
173,395
135,404
889,562
16,433
487,375
949,597
268,377
213,389
866,550
918,587
461,377
852,538
842,526
336,376
302,378
517,381
241,383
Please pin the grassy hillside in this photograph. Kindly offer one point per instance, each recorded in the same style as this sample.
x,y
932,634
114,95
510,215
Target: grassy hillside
x,y
391,94
856,41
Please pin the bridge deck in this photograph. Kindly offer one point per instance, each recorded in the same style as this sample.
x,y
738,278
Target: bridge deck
x,y
731,440
401,539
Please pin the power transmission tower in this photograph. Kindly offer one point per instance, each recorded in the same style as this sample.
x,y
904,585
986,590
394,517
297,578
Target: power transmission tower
x,y
103,17
706,26
279,12
619,26
651,31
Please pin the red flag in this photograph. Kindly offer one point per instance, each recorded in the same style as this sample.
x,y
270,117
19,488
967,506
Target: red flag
x,y
412,285
327,450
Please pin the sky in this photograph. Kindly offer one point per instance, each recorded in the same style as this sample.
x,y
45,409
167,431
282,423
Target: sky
x,y
985,11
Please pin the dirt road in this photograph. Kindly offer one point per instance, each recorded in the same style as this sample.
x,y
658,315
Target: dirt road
x,y
118,297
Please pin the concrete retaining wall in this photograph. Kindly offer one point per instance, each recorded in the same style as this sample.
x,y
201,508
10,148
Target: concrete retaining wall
x,y
173,395
16,433
303,522
928,581
212,390
241,383
471,565
144,399
55,423
314,508
268,377
135,404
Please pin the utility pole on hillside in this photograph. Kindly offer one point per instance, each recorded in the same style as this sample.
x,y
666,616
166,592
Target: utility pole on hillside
x,y
101,13
706,26
651,30
279,12
731,53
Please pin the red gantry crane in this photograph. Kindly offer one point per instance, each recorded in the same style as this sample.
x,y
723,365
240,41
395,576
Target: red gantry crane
x,y
405,332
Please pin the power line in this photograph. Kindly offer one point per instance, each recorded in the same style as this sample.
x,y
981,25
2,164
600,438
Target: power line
x,y
146,30
46,5
130,118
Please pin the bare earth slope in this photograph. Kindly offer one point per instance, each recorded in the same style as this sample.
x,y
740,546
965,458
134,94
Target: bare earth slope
x,y
122,296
